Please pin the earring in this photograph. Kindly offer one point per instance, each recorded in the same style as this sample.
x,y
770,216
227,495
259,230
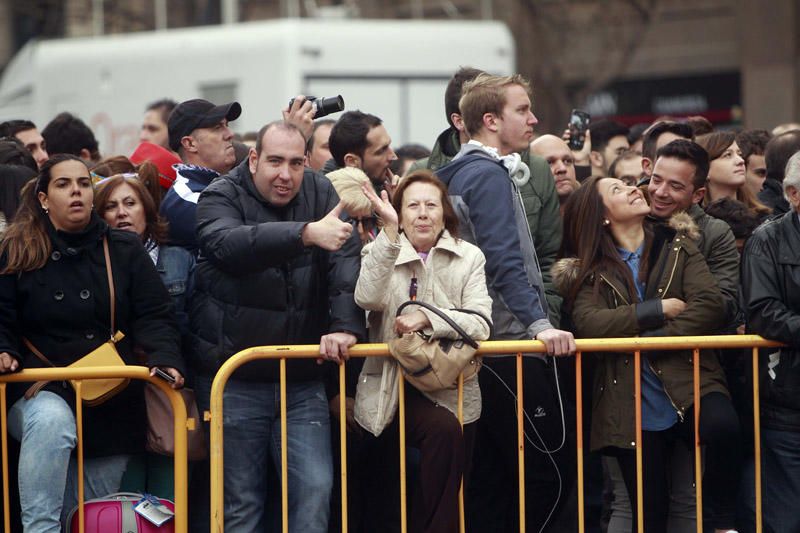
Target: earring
x,y
606,222
46,210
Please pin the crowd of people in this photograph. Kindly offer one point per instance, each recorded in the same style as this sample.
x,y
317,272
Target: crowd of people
x,y
202,243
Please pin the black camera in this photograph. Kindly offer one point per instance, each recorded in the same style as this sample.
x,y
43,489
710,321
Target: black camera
x,y
324,106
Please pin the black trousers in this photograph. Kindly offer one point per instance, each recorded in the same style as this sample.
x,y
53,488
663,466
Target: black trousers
x,y
492,495
719,432
438,454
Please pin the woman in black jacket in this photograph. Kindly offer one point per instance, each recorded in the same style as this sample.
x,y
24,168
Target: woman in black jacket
x,y
54,293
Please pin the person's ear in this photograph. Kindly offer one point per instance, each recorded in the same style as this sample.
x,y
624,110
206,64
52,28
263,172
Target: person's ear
x,y
647,166
352,160
42,199
698,194
792,194
188,144
490,122
596,159
457,120
252,160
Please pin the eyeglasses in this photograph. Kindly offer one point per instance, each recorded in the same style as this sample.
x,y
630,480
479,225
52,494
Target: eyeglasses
x,y
98,180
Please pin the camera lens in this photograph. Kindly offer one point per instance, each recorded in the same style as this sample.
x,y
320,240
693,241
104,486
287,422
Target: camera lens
x,y
328,105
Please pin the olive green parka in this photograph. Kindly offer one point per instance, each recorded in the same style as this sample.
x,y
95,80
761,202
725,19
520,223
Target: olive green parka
x,y
604,307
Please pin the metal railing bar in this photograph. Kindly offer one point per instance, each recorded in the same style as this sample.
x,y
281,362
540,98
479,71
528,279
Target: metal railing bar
x,y
284,453
637,399
343,443
757,440
698,458
579,437
521,444
401,390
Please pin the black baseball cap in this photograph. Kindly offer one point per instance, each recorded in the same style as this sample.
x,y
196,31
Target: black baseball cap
x,y
198,113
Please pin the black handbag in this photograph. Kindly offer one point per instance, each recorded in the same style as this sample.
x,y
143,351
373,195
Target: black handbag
x,y
432,364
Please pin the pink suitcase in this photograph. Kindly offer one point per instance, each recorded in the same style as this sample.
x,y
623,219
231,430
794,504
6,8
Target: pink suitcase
x,y
114,513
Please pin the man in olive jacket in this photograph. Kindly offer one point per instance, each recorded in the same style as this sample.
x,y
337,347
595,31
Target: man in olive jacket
x,y
539,196
678,184
277,266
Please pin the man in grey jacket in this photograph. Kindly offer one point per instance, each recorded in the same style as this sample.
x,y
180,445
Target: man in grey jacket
x,y
484,181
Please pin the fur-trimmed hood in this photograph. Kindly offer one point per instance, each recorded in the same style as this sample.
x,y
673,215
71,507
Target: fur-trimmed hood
x,y
565,271
682,223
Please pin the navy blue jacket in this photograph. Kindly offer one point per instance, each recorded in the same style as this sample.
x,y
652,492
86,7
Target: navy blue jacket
x,y
491,216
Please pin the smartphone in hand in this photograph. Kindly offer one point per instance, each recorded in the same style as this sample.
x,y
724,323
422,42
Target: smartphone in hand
x,y
578,124
163,375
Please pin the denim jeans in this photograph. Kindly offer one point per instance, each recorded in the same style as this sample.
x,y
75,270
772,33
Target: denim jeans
x,y
252,428
48,477
781,481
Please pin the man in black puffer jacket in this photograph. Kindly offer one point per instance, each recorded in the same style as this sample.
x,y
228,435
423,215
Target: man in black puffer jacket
x,y
277,266
771,289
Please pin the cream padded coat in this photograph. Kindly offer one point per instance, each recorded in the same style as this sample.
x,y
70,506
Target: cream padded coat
x,y
452,277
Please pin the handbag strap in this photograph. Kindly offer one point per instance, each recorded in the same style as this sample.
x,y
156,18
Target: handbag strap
x,y
458,329
111,293
36,387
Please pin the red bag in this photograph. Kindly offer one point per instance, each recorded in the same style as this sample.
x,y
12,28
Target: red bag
x,y
114,513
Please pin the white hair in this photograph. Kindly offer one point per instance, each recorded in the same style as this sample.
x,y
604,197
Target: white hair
x,y
791,176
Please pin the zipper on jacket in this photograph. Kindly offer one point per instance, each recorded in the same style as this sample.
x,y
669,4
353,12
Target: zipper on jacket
x,y
614,289
672,273
664,388
671,401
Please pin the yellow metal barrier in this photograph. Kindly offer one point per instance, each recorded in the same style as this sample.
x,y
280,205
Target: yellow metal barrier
x,y
488,348
130,372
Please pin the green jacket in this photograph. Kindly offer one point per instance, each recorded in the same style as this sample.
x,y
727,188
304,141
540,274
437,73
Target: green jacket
x,y
605,308
541,208
718,246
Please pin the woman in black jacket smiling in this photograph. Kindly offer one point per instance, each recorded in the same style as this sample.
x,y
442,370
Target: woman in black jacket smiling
x,y
54,293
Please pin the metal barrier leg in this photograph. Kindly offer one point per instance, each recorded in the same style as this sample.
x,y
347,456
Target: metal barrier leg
x,y
757,439
4,437
284,453
521,444
401,413
698,461
343,442
461,524
579,437
79,427
637,398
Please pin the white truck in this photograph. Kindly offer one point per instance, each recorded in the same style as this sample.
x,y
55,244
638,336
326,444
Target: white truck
x,y
397,70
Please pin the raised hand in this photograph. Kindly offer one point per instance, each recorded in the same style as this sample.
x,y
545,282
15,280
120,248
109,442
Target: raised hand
x,y
382,206
330,233
301,114
581,156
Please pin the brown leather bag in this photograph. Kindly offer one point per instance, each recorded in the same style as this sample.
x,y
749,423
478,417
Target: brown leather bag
x,y
93,391
160,427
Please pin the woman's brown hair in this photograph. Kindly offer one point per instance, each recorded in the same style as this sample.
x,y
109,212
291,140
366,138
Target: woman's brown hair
x,y
155,227
26,244
588,239
147,171
426,176
715,143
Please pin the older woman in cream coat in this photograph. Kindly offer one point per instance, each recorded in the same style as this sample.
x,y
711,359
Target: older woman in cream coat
x,y
417,255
